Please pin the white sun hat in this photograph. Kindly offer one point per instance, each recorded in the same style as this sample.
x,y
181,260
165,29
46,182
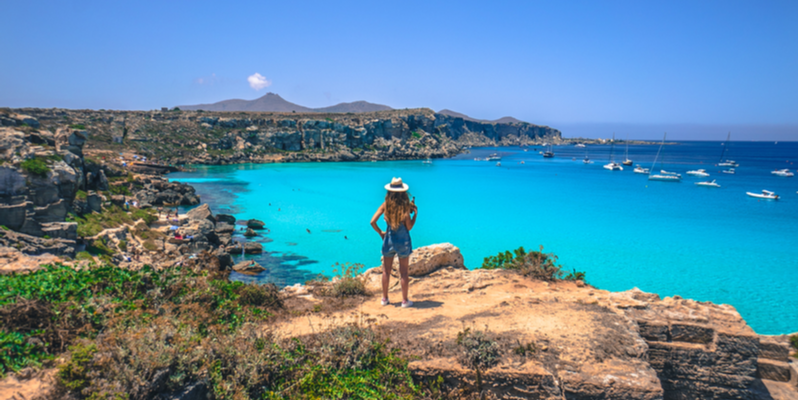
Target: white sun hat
x,y
396,185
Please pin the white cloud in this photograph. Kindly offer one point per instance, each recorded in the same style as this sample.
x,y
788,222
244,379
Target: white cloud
x,y
258,82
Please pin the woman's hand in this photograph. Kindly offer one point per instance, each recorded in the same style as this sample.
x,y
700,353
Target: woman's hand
x,y
382,233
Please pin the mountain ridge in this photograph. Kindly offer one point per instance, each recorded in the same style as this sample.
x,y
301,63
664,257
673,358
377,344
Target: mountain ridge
x,y
273,102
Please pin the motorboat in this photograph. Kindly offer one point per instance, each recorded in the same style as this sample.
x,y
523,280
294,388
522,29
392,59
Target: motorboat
x,y
664,176
708,184
428,161
698,172
587,161
783,172
640,170
580,145
729,171
493,157
765,194
728,163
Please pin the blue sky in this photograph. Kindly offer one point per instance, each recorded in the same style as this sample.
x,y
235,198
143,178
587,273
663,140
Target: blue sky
x,y
695,68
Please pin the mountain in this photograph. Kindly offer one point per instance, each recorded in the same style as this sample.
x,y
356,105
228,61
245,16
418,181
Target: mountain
x,y
504,120
275,103
354,107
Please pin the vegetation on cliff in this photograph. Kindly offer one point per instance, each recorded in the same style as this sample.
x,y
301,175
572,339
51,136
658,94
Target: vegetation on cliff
x,y
532,264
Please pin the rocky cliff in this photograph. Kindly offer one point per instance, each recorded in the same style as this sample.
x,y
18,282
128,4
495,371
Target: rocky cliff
x,y
183,137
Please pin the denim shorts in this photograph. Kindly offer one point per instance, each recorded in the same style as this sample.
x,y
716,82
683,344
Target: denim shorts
x,y
397,242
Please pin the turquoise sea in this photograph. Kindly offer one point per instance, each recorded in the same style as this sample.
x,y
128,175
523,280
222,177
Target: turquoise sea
x,y
624,231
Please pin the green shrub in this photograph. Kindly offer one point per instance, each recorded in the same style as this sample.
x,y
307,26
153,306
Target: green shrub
x,y
416,135
74,373
119,189
84,256
35,166
5,228
349,282
123,245
17,353
478,352
532,264
81,195
78,126
260,295
793,341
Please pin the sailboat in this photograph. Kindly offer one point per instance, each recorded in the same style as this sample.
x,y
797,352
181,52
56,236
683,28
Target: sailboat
x,y
586,159
664,175
726,163
549,152
627,161
612,165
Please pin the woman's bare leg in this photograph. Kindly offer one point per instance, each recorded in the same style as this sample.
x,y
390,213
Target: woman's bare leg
x,y
387,273
404,277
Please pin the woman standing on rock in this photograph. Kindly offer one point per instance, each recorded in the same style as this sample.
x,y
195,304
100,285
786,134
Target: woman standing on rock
x,y
397,211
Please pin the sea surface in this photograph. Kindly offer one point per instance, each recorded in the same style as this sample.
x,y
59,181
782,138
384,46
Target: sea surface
x,y
707,244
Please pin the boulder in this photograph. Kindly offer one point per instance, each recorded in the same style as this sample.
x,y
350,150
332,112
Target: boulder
x,y
12,216
255,224
202,212
248,267
13,182
102,181
94,202
226,218
63,230
250,233
425,260
253,248
224,228
200,229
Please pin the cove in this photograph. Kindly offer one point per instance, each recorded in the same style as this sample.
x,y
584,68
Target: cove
x,y
621,229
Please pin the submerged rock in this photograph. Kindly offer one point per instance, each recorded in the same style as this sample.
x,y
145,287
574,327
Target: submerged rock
x,y
255,224
250,232
248,267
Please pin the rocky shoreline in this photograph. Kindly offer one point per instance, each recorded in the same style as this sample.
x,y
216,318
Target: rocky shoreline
x,y
64,200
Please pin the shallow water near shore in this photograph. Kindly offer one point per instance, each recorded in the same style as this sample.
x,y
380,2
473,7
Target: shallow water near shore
x,y
624,231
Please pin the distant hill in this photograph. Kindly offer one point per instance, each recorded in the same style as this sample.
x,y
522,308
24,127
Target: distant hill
x,y
275,103
504,120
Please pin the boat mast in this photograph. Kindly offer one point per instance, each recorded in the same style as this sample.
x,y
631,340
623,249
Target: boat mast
x,y
658,153
613,139
724,148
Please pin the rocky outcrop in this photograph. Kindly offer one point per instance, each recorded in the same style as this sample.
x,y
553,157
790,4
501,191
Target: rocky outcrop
x,y
34,245
424,260
158,191
568,340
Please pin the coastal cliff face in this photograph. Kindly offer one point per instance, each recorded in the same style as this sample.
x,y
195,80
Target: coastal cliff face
x,y
182,137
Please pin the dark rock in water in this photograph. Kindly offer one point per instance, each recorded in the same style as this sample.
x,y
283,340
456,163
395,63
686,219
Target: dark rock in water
x,y
226,218
248,267
255,224
250,233
253,248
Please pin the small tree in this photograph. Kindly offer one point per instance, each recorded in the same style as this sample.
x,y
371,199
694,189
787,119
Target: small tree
x,y
479,352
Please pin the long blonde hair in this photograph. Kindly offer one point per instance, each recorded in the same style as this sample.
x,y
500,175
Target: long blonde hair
x,y
397,208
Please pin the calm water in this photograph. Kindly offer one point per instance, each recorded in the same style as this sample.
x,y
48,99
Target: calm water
x,y
669,238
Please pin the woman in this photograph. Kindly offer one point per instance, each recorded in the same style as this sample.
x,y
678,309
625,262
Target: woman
x,y
397,211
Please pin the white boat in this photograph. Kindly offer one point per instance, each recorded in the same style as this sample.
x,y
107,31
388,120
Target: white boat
x,y
612,165
640,170
765,194
708,184
729,171
548,153
783,172
580,145
664,175
726,163
698,172
428,161
493,157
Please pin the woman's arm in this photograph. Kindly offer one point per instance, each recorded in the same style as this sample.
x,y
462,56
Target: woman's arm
x,y
410,221
374,221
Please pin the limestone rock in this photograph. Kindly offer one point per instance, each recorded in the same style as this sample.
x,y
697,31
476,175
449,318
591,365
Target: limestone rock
x,y
248,267
201,212
255,224
224,228
424,260
253,248
250,232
